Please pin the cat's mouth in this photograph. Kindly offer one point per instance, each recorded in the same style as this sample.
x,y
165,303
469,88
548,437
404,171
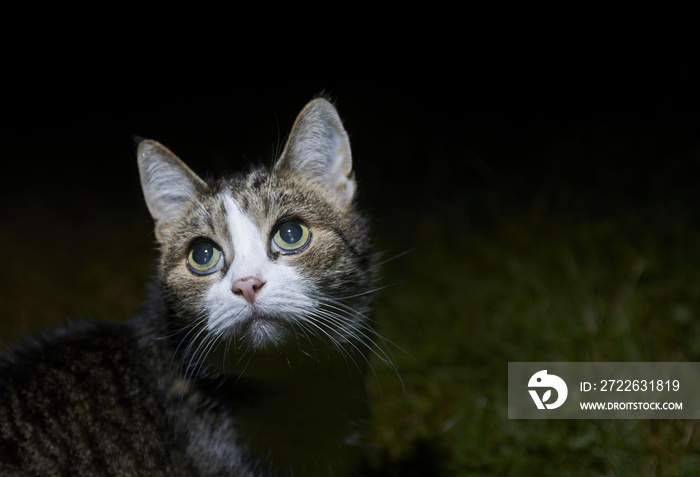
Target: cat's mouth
x,y
263,330
258,316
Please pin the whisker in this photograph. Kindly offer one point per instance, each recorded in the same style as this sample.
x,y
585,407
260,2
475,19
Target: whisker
x,y
336,343
361,331
364,326
357,332
399,255
334,323
369,292
308,338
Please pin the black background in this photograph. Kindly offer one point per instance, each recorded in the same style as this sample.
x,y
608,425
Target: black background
x,y
421,128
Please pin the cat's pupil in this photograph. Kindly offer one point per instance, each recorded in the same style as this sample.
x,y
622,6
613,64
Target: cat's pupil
x,y
291,232
203,253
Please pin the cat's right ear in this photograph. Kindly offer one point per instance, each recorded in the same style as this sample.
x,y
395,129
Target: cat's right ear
x,y
319,149
168,184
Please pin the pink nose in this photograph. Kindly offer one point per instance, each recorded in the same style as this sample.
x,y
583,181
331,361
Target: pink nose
x,y
247,287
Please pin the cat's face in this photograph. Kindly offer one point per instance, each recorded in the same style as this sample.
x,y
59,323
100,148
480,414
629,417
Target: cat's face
x,y
270,259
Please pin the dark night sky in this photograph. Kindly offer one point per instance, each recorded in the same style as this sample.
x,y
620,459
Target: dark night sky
x,y
68,125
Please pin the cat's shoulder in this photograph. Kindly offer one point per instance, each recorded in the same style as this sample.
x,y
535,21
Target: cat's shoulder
x,y
75,348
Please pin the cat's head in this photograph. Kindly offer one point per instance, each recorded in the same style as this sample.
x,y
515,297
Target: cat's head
x,y
270,258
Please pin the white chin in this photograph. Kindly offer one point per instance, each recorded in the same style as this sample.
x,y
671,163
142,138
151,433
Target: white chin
x,y
262,332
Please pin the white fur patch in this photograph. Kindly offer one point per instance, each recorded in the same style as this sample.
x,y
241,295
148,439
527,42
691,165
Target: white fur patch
x,y
282,299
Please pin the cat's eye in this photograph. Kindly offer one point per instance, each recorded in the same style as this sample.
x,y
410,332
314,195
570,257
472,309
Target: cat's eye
x,y
205,258
291,236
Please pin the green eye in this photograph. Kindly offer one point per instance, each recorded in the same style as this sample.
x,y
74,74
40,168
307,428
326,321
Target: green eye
x,y
291,237
204,258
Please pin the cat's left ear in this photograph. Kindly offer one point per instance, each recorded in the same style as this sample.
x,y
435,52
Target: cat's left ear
x,y
318,148
168,184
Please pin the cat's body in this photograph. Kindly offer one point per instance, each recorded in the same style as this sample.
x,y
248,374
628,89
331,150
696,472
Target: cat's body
x,y
248,358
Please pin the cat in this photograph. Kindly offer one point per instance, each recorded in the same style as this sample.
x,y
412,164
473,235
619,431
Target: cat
x,y
249,356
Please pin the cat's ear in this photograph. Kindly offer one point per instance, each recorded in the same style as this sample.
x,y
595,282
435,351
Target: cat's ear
x,y
318,147
168,184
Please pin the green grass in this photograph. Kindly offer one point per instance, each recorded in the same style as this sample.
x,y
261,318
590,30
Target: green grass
x,y
469,301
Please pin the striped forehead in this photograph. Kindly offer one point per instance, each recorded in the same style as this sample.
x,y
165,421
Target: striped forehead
x,y
251,205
